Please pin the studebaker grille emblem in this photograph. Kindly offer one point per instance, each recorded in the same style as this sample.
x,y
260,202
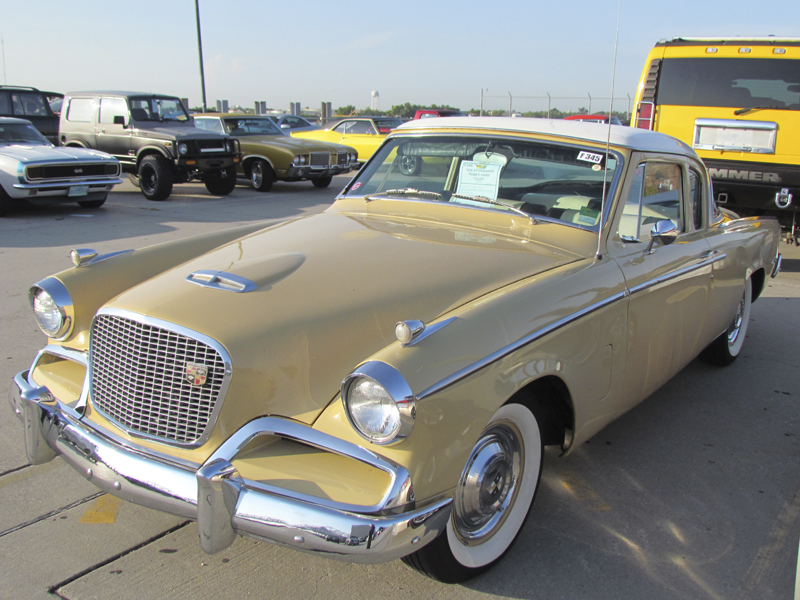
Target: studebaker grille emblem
x,y
196,374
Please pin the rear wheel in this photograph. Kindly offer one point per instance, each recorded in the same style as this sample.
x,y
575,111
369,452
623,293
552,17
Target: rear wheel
x,y
134,179
224,185
492,499
410,165
724,350
155,177
93,203
261,175
322,182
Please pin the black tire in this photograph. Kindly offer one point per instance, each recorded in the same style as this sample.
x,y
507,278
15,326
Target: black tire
x,y
93,203
5,202
155,177
409,165
224,185
322,182
724,350
506,461
134,179
261,175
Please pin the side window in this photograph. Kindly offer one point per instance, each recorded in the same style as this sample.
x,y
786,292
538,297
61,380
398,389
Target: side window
x,y
80,109
655,194
341,127
32,105
113,107
361,127
5,104
696,198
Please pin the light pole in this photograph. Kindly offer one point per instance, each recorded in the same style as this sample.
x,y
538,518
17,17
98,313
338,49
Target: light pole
x,y
200,50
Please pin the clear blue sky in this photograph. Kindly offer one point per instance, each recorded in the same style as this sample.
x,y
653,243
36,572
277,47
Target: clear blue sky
x,y
438,52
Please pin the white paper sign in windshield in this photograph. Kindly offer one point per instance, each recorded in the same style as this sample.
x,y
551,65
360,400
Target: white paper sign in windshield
x,y
478,179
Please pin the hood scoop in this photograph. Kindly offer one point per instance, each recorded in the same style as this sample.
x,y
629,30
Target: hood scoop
x,y
248,275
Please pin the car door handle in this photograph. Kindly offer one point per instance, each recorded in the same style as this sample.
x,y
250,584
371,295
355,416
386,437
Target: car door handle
x,y
99,130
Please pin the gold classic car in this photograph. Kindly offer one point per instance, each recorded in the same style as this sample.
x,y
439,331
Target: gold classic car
x,y
378,381
364,134
269,155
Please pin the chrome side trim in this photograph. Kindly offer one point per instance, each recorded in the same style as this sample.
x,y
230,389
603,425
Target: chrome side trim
x,y
676,274
532,337
153,322
505,351
220,280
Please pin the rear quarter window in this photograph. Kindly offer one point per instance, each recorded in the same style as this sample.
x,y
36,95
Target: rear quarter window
x,y
80,110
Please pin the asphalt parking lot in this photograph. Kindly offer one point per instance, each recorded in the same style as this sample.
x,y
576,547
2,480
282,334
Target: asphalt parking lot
x,y
694,494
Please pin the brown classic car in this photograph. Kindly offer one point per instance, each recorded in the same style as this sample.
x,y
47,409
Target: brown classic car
x,y
378,381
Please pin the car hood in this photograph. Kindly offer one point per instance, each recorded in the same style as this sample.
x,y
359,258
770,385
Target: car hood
x,y
30,153
295,146
173,131
329,290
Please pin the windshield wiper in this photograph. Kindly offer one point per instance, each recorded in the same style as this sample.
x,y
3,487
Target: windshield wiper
x,y
741,111
404,192
510,207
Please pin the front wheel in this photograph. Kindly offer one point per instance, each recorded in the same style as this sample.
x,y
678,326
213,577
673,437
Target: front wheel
x,y
224,185
492,499
261,175
322,182
724,350
155,177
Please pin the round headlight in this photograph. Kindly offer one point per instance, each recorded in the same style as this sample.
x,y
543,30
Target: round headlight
x,y
182,149
379,403
52,307
296,161
373,410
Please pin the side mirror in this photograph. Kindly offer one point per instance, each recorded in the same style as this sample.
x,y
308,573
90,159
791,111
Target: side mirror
x,y
119,120
665,232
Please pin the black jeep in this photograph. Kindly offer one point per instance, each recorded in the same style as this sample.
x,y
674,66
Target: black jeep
x,y
154,139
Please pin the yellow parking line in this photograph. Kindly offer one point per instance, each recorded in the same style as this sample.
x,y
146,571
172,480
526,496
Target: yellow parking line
x,y
102,511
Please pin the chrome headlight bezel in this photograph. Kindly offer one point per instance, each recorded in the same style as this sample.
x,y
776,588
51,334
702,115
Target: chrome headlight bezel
x,y
395,385
52,290
183,149
299,160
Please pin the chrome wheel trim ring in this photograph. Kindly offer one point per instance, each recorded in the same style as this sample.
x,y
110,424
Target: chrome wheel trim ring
x,y
736,325
481,551
257,175
488,484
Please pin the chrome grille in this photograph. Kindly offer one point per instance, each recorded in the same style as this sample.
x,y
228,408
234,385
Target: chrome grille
x,y
139,379
320,159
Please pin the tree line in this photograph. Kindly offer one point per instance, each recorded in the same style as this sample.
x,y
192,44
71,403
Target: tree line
x,y
408,110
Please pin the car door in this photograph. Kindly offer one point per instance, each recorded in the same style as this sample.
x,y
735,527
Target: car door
x,y
361,135
669,284
114,138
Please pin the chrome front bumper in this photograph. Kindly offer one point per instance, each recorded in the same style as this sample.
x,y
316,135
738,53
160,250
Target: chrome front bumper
x,y
223,503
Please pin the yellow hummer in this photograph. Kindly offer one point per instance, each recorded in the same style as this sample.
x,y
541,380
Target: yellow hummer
x,y
736,101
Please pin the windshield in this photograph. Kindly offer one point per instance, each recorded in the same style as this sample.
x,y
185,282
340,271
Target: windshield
x,y
252,126
549,181
25,133
730,82
157,108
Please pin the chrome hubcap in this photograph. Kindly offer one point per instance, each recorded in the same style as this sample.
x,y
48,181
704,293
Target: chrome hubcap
x,y
489,483
257,175
736,325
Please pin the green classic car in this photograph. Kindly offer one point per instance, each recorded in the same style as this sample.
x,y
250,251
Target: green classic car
x,y
269,155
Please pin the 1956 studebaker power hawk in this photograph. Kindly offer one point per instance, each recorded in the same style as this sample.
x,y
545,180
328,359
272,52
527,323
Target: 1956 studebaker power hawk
x,y
378,381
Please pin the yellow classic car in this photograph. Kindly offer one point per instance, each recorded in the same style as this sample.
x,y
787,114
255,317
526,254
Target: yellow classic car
x,y
365,134
378,381
269,155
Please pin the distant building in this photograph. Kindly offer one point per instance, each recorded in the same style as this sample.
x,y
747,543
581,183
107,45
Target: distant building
x,y
222,106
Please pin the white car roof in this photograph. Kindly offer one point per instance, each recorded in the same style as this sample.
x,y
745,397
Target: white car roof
x,y
628,137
